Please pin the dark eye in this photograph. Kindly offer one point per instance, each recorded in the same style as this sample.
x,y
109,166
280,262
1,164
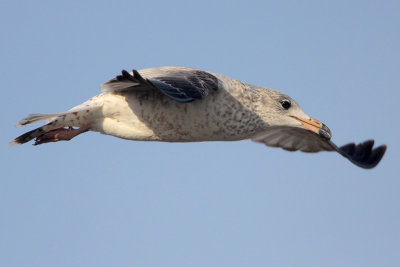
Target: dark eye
x,y
286,104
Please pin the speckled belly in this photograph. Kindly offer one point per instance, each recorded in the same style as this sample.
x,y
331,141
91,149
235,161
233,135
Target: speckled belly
x,y
152,116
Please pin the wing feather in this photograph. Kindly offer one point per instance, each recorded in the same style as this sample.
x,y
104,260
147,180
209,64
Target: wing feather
x,y
293,139
183,85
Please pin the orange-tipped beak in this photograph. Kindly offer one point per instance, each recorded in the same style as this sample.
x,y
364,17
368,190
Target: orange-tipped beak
x,y
315,126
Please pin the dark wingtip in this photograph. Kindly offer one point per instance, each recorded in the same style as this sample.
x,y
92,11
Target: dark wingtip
x,y
363,154
377,155
138,76
348,149
125,76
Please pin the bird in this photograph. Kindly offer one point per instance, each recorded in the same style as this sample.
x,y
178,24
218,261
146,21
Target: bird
x,y
180,104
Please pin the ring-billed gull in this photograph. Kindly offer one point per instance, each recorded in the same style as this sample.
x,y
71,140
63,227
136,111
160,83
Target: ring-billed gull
x,y
177,104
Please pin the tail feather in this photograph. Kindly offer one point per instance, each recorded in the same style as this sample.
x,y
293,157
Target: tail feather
x,y
35,133
60,125
37,117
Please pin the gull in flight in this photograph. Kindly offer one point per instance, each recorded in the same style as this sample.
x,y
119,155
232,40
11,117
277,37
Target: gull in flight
x,y
178,104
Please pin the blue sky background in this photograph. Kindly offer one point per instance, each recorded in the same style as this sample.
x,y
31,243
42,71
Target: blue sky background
x,y
103,201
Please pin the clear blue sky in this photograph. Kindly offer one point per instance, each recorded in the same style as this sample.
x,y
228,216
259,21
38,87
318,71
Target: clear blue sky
x,y
102,201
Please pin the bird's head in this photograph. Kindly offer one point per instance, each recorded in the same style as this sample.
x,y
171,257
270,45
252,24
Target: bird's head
x,y
284,111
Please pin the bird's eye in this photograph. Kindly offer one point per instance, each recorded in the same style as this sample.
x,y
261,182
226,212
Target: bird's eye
x,y
286,104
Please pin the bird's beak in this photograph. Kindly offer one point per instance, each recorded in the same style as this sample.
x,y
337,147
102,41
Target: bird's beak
x,y
315,126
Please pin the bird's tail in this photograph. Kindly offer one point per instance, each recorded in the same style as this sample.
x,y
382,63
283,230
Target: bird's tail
x,y
34,118
59,126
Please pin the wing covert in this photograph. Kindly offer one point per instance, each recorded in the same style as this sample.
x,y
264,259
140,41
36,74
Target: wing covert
x,y
186,85
183,85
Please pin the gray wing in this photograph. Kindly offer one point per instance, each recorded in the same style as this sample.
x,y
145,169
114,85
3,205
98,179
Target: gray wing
x,y
182,85
292,139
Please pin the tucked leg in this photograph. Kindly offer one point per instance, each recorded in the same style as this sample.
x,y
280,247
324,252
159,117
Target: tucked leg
x,y
60,134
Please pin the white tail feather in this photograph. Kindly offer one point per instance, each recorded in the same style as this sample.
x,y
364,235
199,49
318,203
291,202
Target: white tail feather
x,y
37,117
91,104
